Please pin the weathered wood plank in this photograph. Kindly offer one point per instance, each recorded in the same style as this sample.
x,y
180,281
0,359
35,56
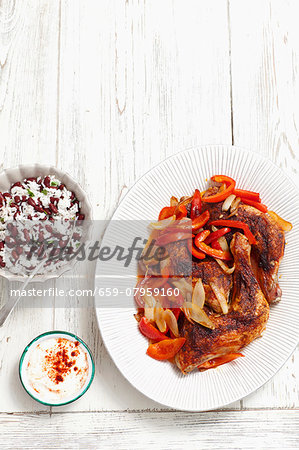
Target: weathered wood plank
x,y
227,429
29,32
265,99
138,81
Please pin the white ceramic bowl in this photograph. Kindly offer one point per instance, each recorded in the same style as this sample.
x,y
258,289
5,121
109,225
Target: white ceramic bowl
x,y
10,176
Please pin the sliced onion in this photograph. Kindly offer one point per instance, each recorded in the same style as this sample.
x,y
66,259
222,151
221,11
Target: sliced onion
x,y
197,314
284,225
161,224
149,314
223,244
222,187
224,267
187,311
159,318
184,286
149,307
174,201
220,297
149,301
171,321
185,199
235,205
182,224
199,296
228,201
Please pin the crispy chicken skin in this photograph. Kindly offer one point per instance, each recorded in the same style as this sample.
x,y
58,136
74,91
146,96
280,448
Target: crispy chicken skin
x,y
268,252
246,320
179,264
210,272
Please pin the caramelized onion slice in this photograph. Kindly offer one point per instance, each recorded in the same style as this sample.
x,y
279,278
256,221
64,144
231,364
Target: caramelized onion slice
x,y
228,202
159,318
235,205
224,267
223,244
162,224
222,241
174,201
149,307
284,225
184,286
149,313
220,297
197,314
171,321
199,296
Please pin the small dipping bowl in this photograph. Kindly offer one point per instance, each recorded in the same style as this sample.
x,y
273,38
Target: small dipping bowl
x,y
48,368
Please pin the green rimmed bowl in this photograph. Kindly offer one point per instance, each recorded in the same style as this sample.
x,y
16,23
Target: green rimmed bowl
x,y
25,358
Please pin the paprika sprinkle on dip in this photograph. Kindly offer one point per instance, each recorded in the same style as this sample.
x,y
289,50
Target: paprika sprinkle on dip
x,y
56,369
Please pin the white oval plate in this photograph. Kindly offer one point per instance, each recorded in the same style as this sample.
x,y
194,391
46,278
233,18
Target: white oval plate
x,y
179,175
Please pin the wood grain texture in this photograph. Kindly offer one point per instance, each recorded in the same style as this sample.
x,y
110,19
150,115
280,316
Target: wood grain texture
x,y
28,103
134,96
265,99
106,90
221,430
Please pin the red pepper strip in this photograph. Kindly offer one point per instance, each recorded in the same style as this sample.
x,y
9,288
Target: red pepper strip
x,y
167,212
219,361
171,237
220,196
217,234
215,244
196,204
151,332
256,205
200,221
200,237
176,312
165,349
193,250
220,254
180,212
255,196
236,224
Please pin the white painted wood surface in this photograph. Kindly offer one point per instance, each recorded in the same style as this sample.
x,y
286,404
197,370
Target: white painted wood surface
x,y
105,90
161,430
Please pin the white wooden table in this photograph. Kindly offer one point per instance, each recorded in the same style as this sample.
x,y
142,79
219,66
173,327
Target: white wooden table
x,y
105,90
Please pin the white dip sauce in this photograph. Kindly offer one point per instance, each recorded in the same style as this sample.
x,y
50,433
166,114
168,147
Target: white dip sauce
x,y
57,369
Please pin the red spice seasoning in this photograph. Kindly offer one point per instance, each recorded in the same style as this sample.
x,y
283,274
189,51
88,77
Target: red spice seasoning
x,y
60,360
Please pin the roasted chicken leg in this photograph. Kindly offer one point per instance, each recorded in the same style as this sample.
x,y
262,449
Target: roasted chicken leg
x,y
246,320
268,252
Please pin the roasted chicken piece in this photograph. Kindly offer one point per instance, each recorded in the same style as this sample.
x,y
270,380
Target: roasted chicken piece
x,y
214,280
179,264
246,320
268,252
